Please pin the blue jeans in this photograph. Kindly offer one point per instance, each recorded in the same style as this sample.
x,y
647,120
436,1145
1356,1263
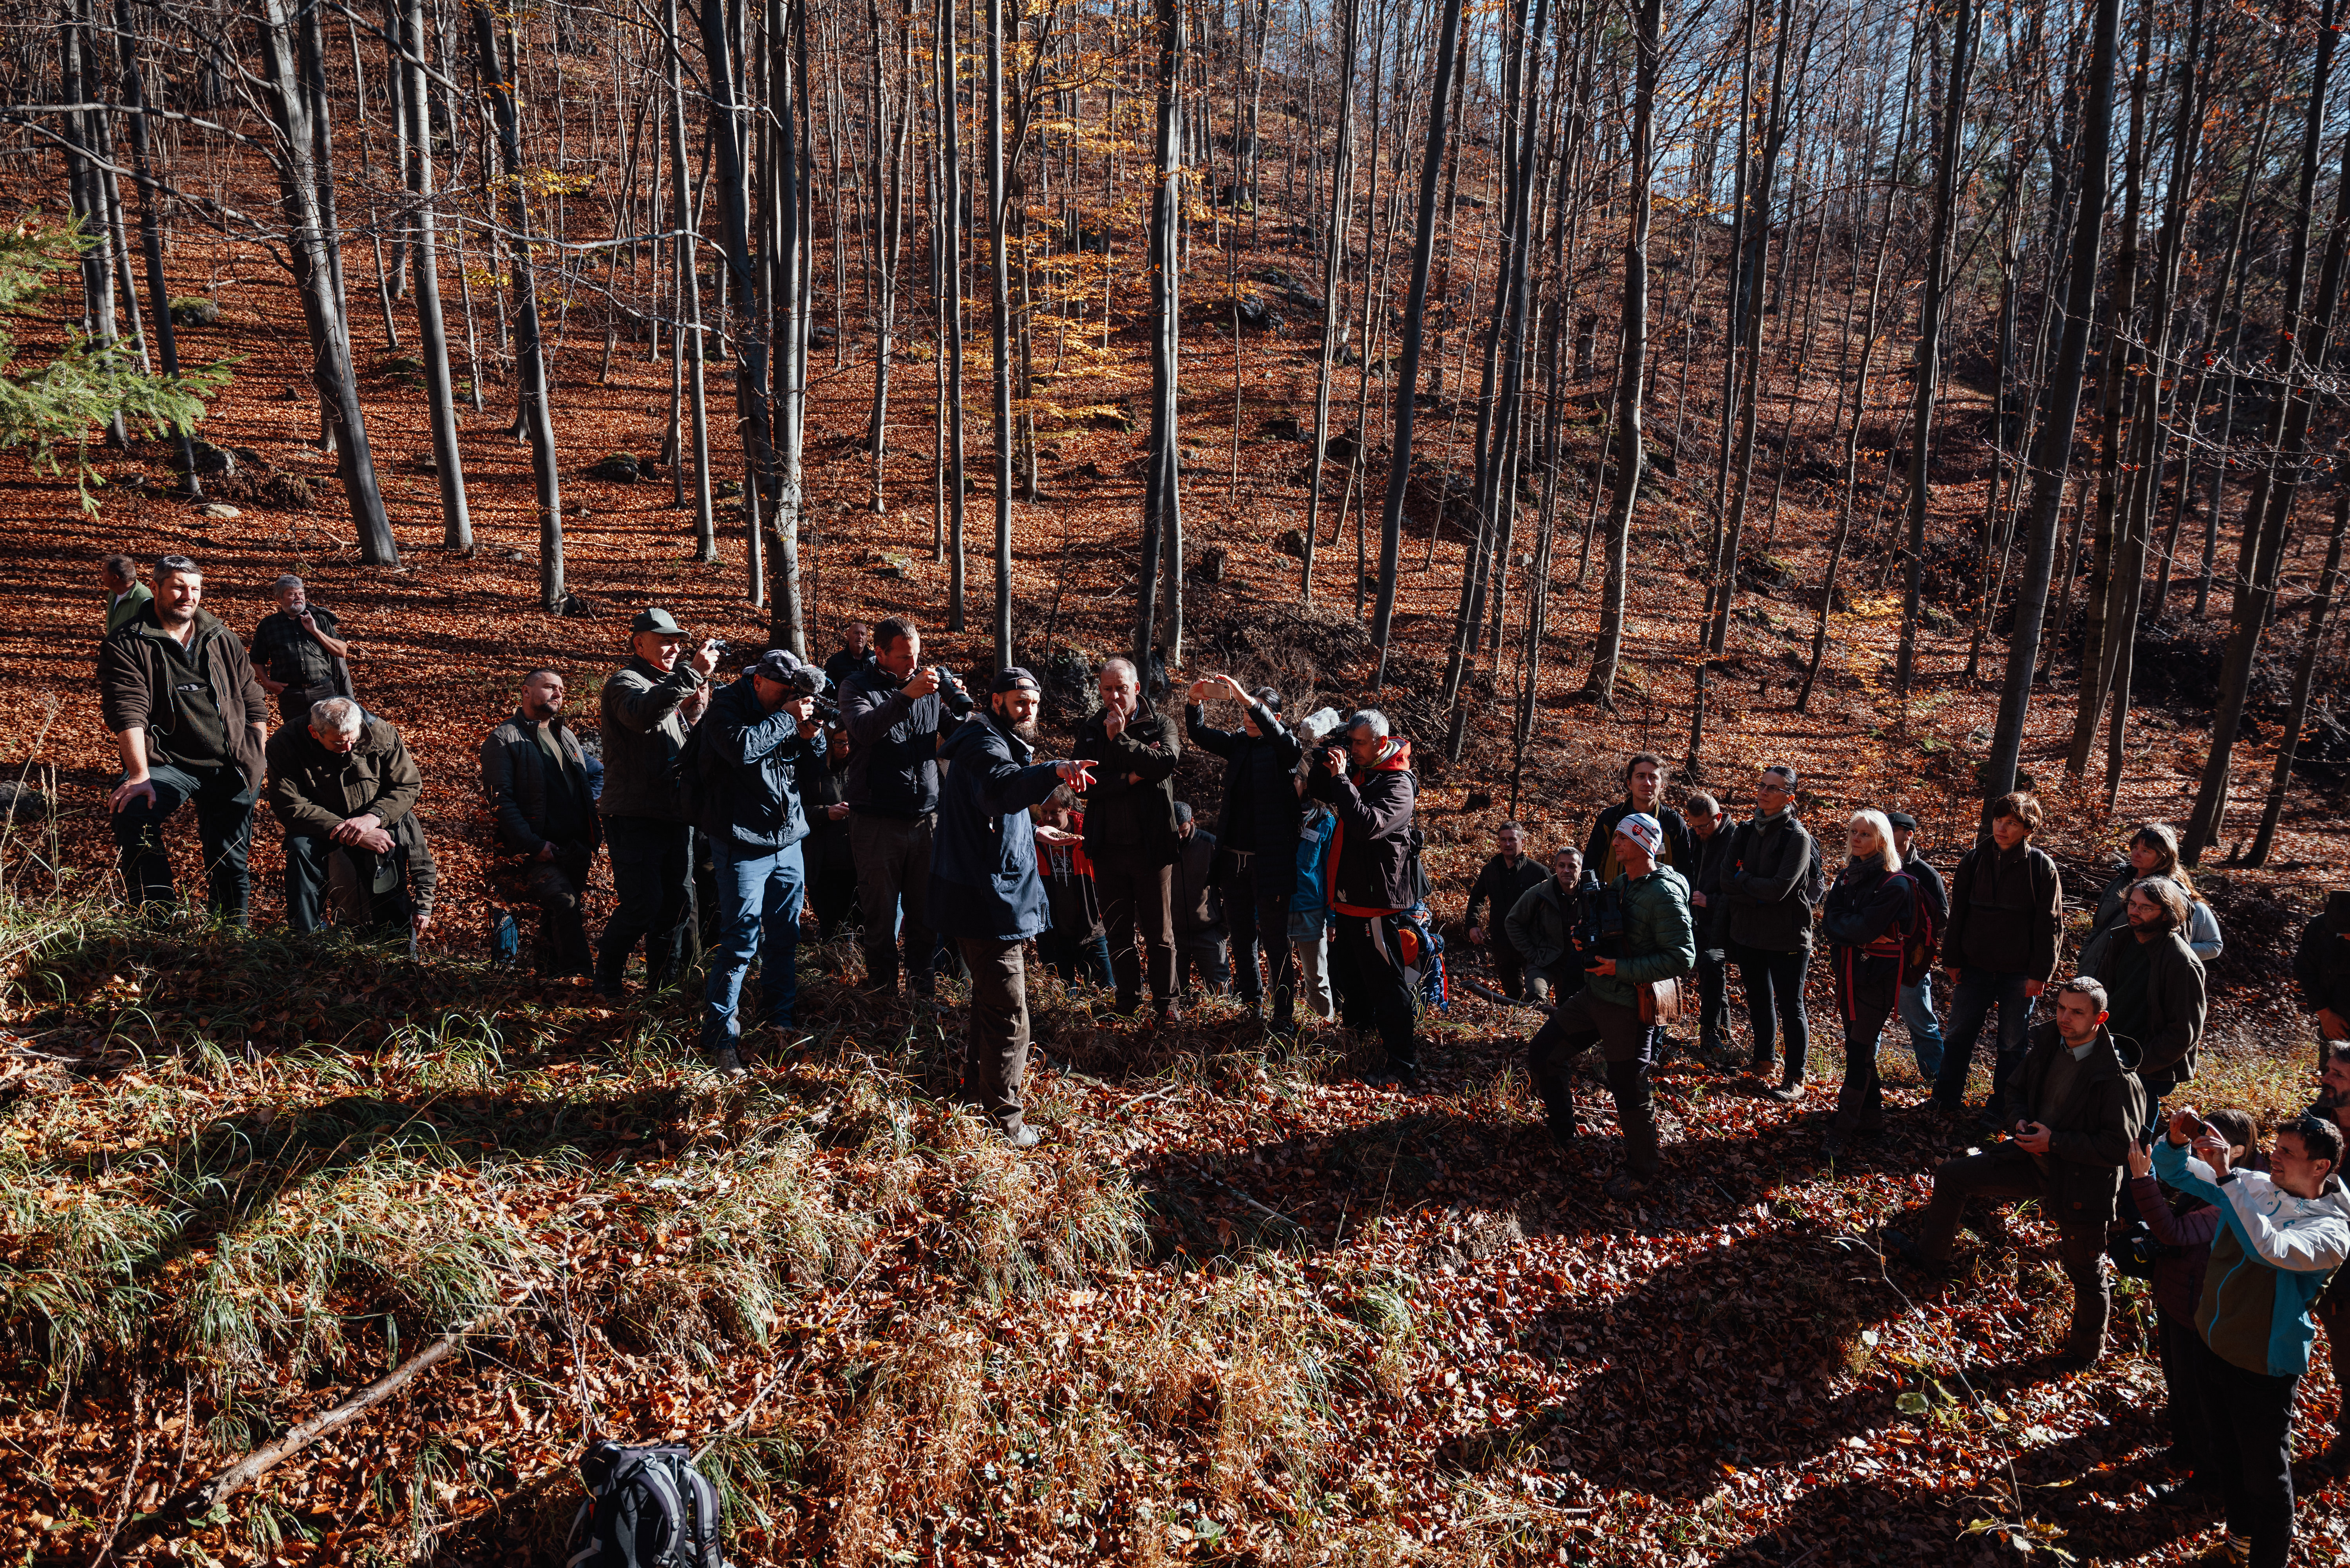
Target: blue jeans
x,y
1979,989
758,912
224,806
1925,1034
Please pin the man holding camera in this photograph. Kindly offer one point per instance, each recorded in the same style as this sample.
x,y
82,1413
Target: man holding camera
x,y
986,890
760,729
2072,1108
1505,878
649,703
1370,788
893,711
1645,942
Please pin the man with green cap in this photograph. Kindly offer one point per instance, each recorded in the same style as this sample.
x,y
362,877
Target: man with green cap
x,y
648,704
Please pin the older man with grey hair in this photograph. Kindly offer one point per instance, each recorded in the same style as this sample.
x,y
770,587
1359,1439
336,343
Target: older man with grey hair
x,y
297,655
341,780
1373,883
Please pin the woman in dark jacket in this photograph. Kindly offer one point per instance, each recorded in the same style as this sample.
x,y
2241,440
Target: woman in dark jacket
x,y
2185,1227
1864,917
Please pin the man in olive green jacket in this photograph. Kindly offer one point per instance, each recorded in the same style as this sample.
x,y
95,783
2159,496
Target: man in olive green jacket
x,y
341,780
1657,943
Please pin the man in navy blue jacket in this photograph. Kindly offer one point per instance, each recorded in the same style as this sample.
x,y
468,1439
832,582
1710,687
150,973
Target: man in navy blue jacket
x,y
985,891
752,740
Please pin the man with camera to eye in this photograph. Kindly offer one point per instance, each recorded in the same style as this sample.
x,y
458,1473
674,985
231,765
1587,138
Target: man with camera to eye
x,y
1370,788
1636,941
648,704
894,710
2072,1109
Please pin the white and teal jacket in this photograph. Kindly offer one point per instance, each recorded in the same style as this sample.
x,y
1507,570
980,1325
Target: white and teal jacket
x,y
2270,1261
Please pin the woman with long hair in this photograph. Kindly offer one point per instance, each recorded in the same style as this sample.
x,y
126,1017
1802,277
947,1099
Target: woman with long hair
x,y
2153,852
1866,914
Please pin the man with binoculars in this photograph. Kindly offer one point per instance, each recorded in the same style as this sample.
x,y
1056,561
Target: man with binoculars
x,y
1625,944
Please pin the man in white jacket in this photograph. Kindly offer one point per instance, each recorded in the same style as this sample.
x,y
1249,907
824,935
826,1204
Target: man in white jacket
x,y
2282,1237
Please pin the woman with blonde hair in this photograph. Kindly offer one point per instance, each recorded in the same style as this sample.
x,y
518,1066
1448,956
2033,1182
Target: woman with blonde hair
x,y
1865,919
2153,852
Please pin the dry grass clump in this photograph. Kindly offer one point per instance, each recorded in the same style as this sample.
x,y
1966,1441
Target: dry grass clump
x,y
905,1451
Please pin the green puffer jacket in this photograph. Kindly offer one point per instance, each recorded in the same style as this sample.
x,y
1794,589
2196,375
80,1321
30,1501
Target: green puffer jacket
x,y
1660,942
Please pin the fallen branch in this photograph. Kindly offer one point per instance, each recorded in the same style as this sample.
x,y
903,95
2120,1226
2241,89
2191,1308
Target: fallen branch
x,y
262,1460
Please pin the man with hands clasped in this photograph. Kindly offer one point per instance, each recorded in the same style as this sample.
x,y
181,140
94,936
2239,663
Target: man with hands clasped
x,y
1130,835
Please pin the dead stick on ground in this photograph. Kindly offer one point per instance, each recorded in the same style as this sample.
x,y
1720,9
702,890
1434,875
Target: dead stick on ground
x,y
259,1462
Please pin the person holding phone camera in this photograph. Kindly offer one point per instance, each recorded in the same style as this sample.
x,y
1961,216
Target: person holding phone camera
x,y
2281,1234
2073,1107
1369,786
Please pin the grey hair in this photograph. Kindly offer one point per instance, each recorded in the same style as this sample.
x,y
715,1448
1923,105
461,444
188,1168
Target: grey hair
x,y
288,581
339,714
1125,664
1369,719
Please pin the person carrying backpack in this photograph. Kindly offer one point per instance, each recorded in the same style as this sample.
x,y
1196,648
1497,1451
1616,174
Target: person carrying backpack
x,y
1865,919
2006,932
1374,883
1772,880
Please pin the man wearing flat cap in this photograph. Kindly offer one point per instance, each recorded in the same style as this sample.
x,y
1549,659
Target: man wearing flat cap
x,y
2321,970
985,892
758,734
649,703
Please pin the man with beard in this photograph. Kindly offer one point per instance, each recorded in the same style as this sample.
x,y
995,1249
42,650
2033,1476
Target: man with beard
x,y
648,704
894,710
189,722
535,775
985,888
2153,988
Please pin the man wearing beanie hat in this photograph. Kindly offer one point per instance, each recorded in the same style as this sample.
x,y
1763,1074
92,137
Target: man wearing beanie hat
x,y
758,732
2321,969
985,891
1258,832
1657,944
647,705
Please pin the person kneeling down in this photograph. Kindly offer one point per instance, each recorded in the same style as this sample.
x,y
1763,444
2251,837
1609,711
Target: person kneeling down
x,y
1656,944
2073,1106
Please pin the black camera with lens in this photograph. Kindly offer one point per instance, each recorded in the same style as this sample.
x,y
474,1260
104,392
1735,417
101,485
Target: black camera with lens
x,y
827,711
1596,921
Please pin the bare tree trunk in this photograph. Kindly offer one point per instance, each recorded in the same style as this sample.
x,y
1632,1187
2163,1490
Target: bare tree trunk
x,y
2304,676
537,416
440,392
1162,476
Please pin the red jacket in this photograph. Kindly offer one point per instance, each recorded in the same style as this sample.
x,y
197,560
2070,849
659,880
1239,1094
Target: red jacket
x,y
1370,858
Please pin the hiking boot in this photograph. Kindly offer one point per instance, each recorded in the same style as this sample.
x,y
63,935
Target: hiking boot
x,y
1898,1245
1169,1014
1786,1094
727,1062
1833,1145
1019,1135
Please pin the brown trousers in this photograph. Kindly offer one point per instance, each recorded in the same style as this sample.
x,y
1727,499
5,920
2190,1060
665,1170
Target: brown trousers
x,y
995,1050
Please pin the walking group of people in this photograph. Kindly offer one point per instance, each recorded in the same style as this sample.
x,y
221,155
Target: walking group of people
x,y
881,789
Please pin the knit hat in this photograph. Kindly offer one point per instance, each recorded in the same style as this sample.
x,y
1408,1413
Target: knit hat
x,y
1643,830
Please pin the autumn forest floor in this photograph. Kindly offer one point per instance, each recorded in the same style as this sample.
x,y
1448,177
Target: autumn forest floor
x,y
1236,1308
